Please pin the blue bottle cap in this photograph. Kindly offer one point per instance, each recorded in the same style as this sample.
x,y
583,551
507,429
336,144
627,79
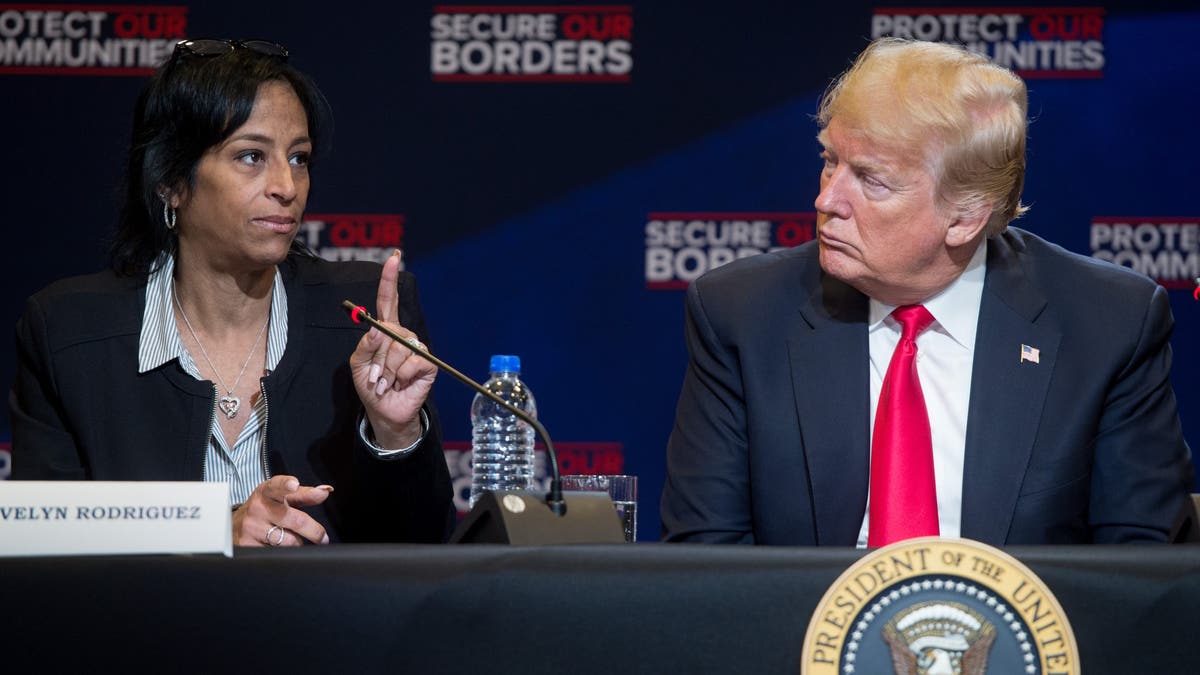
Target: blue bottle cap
x,y
502,363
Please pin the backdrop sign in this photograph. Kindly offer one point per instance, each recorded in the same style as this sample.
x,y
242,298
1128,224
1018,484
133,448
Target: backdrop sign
x,y
531,43
680,246
1164,249
1034,41
353,236
573,458
549,169
40,39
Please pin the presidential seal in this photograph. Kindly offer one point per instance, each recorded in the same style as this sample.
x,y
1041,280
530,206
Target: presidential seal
x,y
934,606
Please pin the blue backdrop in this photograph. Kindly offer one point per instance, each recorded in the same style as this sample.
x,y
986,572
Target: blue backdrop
x,y
524,188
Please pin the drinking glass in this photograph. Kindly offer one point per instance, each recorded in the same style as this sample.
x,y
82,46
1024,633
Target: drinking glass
x,y
621,489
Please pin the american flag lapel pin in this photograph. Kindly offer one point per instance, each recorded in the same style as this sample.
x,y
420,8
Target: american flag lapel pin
x,y
1030,354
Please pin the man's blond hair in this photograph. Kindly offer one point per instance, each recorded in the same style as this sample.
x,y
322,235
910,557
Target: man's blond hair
x,y
965,113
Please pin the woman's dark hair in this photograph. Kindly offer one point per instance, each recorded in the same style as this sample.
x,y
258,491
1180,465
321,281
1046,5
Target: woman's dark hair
x,y
190,105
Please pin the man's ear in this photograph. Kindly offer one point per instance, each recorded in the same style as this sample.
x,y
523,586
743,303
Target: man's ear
x,y
972,221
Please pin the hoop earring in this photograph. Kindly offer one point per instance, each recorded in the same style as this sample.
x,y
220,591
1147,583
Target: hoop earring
x,y
168,215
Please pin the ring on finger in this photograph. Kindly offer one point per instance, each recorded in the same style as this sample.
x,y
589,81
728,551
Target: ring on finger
x,y
274,542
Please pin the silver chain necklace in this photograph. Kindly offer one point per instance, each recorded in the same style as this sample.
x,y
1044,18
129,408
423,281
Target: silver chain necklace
x,y
229,403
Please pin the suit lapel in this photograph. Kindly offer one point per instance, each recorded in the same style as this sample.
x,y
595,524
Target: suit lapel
x,y
829,372
1007,394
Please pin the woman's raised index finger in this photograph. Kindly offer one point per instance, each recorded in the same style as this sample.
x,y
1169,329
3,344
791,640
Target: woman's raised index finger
x,y
387,302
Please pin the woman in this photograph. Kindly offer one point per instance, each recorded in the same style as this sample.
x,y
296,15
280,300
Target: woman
x,y
216,348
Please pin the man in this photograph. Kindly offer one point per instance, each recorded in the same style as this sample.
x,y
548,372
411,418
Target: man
x,y
1034,406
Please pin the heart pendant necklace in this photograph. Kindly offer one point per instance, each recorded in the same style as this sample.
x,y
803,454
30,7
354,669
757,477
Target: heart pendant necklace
x,y
228,403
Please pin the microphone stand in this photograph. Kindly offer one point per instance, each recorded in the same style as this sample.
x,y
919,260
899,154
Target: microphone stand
x,y
554,497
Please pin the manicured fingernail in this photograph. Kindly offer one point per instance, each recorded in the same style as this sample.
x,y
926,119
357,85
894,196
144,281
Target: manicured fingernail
x,y
381,386
396,252
293,485
375,371
327,488
325,539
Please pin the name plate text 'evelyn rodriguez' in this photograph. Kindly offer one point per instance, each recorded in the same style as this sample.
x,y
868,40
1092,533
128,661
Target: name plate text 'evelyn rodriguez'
x,y
114,518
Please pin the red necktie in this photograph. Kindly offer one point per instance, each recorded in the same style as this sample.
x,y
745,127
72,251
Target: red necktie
x,y
903,494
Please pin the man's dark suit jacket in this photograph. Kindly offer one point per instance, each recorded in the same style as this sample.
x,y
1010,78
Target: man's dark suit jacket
x,y
771,442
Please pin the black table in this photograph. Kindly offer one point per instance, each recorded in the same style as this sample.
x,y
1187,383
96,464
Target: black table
x,y
645,608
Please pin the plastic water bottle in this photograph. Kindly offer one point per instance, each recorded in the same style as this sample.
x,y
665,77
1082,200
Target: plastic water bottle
x,y
501,444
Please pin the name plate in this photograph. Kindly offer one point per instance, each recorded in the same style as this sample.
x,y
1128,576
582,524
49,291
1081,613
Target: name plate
x,y
114,518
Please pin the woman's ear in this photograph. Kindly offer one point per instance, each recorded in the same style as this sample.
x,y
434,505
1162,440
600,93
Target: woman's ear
x,y
170,196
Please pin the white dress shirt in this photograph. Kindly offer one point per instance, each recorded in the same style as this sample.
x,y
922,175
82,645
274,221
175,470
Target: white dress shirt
x,y
244,465
945,355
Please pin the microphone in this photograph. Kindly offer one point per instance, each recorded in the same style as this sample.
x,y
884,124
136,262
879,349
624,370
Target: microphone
x,y
501,517
554,498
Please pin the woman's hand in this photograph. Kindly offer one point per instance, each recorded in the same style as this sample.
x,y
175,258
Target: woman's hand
x,y
391,382
269,519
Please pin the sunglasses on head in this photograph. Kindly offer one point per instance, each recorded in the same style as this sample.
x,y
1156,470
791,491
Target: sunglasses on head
x,y
206,47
